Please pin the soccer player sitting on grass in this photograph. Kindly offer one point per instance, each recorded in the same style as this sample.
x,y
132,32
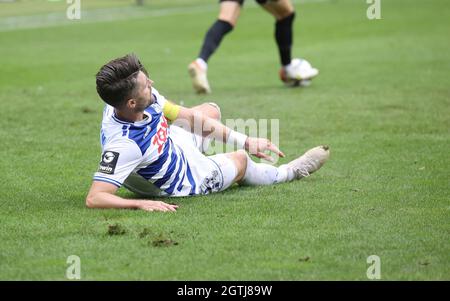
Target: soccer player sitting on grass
x,y
142,152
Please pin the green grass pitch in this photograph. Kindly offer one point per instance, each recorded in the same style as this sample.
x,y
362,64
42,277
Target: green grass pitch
x,y
381,102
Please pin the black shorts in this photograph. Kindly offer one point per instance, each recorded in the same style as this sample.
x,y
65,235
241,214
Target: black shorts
x,y
242,1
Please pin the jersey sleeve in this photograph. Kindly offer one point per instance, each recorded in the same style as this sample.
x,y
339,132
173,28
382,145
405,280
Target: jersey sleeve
x,y
117,162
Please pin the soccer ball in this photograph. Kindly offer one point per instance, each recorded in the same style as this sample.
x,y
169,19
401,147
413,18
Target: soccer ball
x,y
298,73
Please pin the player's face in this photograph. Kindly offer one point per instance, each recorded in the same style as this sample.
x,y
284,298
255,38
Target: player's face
x,y
144,93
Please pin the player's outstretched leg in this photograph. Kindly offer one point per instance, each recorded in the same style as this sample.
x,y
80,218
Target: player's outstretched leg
x,y
251,173
228,15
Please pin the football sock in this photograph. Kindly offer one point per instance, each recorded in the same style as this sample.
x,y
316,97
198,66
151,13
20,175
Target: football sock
x,y
265,174
202,63
283,36
213,38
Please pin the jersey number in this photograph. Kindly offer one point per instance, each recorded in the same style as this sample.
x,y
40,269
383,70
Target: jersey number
x,y
161,135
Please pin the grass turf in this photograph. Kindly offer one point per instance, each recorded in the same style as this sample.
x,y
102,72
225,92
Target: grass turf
x,y
381,102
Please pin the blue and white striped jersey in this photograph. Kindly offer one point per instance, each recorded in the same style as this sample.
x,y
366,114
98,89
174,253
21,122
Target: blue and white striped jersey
x,y
145,150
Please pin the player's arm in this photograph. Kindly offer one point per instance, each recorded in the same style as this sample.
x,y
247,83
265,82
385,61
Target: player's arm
x,y
203,125
102,195
118,160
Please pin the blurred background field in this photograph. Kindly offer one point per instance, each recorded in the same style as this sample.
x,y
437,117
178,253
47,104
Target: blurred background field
x,y
33,7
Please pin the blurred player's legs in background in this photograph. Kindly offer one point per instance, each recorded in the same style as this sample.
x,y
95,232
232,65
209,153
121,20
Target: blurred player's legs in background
x,y
228,16
284,14
292,72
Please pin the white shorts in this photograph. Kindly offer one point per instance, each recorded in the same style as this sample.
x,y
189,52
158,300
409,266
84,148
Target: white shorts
x,y
211,173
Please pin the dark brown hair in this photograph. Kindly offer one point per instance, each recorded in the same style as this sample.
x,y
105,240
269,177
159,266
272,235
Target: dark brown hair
x,y
116,81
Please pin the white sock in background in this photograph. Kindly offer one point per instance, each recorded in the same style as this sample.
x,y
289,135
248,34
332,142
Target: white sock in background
x,y
202,63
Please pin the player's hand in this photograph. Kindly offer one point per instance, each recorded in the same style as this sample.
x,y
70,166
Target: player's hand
x,y
156,206
258,146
